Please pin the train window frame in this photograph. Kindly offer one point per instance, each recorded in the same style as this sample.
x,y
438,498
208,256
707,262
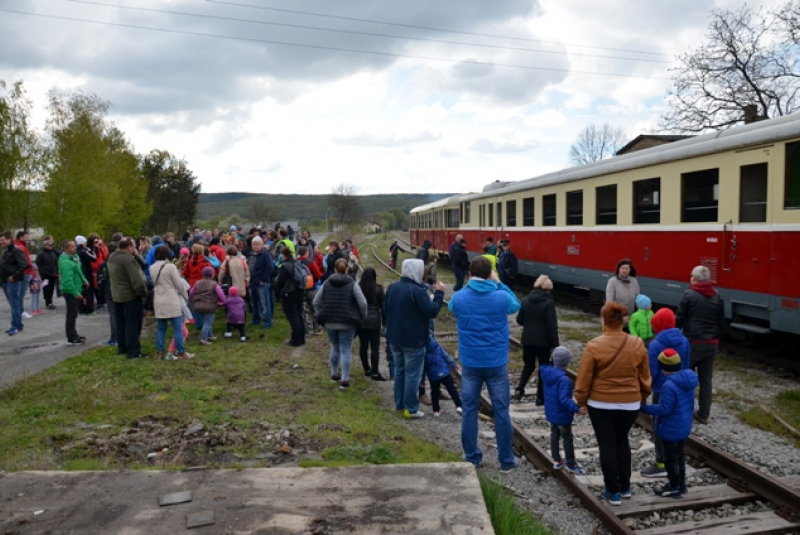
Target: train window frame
x,y
791,179
550,204
529,221
575,208
605,213
490,219
700,196
482,215
499,213
647,201
467,212
452,217
753,191
511,213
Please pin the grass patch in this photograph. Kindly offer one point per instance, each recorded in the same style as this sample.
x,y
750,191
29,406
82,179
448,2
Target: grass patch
x,y
507,517
786,406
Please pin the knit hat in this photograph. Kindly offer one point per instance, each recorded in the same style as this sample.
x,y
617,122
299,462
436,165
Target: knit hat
x,y
642,301
208,272
561,357
669,361
185,251
662,320
80,240
233,228
157,240
233,291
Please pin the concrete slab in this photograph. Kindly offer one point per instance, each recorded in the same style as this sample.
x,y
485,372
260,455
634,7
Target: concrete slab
x,y
420,498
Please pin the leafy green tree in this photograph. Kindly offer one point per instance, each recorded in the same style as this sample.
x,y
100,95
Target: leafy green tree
x,y
174,191
19,158
94,182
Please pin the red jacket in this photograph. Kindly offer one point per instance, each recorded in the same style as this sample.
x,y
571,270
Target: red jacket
x,y
219,252
193,271
24,246
319,262
315,270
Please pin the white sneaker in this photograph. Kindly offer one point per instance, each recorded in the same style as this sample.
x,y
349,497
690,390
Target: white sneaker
x,y
228,335
26,316
458,410
243,338
436,414
170,356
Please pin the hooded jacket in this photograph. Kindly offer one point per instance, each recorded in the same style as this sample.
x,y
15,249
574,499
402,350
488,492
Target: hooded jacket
x,y
481,309
537,316
409,307
666,339
675,406
639,324
70,274
460,257
437,361
424,251
559,407
701,313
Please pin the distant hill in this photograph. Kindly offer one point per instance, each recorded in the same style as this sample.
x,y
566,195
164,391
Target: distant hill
x,y
304,207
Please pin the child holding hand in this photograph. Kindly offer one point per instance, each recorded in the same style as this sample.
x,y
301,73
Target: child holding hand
x,y
560,408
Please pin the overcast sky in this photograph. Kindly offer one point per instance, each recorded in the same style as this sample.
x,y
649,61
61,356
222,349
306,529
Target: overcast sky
x,y
297,102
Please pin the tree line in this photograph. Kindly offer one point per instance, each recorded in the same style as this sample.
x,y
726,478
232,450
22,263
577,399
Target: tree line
x,y
81,174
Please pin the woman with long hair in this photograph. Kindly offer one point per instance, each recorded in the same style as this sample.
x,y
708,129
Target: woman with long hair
x,y
369,333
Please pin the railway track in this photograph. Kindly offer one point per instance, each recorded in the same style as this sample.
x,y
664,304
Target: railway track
x,y
777,501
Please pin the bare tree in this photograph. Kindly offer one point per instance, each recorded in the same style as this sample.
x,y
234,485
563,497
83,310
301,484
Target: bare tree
x,y
262,213
745,68
345,204
595,143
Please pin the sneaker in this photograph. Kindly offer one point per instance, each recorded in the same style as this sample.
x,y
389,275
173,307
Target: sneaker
x,y
575,468
612,498
668,491
170,356
212,338
458,410
425,399
518,393
700,420
139,356
436,413
52,307
184,356
206,342
625,494
336,378
159,355
243,339
26,316
413,416
559,464
36,312
344,385
656,470
507,469
111,342
378,377
684,489
75,341
12,332
228,335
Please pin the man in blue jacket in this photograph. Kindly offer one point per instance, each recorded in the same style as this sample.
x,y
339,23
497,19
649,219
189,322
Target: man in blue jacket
x,y
261,265
481,310
409,310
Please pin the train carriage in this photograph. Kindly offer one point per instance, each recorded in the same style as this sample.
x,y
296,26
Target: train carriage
x,y
728,200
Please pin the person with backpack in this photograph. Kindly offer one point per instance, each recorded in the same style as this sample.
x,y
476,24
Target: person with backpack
x,y
293,280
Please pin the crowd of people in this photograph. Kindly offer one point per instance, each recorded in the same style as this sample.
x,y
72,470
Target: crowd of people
x,y
638,353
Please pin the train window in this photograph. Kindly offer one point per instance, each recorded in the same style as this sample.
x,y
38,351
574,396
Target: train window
x,y
499,214
575,208
700,196
490,222
753,193
549,210
482,215
527,212
647,201
606,205
467,216
791,198
452,218
511,213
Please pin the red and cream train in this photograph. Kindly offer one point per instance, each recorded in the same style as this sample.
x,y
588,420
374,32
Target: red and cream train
x,y
728,200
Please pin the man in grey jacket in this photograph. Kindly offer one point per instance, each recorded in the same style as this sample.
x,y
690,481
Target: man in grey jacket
x,y
128,287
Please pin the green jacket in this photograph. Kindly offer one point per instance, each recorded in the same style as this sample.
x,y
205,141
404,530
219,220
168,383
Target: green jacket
x,y
639,324
127,277
70,274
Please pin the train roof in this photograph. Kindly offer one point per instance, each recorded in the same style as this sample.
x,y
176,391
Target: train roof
x,y
447,201
762,132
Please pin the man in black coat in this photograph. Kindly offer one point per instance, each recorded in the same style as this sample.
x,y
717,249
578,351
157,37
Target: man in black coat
x,y
507,264
13,264
701,316
47,262
460,259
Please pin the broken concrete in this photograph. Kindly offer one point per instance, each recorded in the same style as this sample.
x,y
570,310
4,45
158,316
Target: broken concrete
x,y
420,498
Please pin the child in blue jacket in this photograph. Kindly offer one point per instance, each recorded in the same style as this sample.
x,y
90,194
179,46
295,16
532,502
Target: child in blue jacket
x,y
667,337
673,421
560,408
437,367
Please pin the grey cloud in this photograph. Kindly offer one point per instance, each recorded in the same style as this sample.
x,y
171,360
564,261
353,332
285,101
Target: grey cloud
x,y
273,168
489,146
367,139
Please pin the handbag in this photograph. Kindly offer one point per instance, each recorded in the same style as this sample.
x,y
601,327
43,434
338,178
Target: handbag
x,y
227,280
150,298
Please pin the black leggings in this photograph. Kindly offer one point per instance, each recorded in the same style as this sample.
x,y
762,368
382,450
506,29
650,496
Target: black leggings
x,y
370,341
530,354
611,427
239,326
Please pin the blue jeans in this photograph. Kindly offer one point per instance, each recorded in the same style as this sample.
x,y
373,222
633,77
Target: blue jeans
x,y
408,365
161,333
26,280
341,351
497,384
260,296
208,322
14,292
